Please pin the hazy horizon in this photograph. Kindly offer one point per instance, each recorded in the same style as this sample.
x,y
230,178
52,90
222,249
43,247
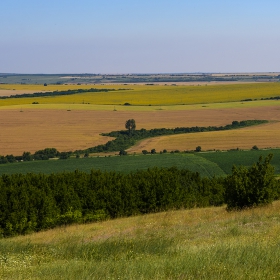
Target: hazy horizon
x,y
139,37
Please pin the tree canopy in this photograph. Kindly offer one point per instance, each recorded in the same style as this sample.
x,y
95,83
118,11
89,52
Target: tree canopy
x,y
130,125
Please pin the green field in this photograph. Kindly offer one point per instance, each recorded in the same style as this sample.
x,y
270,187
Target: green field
x,y
225,160
116,163
207,164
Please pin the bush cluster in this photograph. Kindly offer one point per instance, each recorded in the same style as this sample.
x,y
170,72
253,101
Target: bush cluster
x,y
250,187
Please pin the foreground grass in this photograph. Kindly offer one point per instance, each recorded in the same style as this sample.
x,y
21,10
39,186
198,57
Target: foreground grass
x,y
205,243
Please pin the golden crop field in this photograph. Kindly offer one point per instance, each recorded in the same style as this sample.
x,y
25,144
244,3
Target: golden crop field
x,y
160,95
262,137
34,129
57,122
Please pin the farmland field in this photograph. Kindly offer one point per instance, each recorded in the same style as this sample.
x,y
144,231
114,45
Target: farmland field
x,y
121,164
207,164
68,123
150,95
34,129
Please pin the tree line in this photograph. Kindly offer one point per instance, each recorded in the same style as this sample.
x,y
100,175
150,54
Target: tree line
x,y
56,93
44,154
34,202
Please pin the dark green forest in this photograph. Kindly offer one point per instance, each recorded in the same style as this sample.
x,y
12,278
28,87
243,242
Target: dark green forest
x,y
34,202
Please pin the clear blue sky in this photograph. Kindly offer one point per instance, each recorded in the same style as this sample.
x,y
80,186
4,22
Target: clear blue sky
x,y
139,36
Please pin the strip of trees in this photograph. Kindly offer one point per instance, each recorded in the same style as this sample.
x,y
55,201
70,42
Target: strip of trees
x,y
57,93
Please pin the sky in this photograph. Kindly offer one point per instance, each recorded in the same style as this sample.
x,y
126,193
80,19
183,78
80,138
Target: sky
x,y
139,36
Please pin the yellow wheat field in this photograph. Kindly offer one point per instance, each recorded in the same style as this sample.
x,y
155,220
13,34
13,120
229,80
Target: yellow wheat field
x,y
160,95
35,129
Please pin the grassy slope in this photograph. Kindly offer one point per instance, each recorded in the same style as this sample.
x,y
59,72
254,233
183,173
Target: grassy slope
x,y
205,243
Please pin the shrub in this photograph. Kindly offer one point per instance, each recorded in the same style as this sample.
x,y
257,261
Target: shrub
x,y
198,149
255,186
64,155
122,152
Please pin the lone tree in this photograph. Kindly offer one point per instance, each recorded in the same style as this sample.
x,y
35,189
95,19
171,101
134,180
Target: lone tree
x,y
130,125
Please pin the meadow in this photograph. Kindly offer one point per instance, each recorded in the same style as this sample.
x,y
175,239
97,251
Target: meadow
x,y
208,243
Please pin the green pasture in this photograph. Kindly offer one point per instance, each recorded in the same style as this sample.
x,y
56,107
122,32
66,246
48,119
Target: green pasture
x,y
207,164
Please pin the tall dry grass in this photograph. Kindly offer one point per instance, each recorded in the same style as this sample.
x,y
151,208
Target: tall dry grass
x,y
208,243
